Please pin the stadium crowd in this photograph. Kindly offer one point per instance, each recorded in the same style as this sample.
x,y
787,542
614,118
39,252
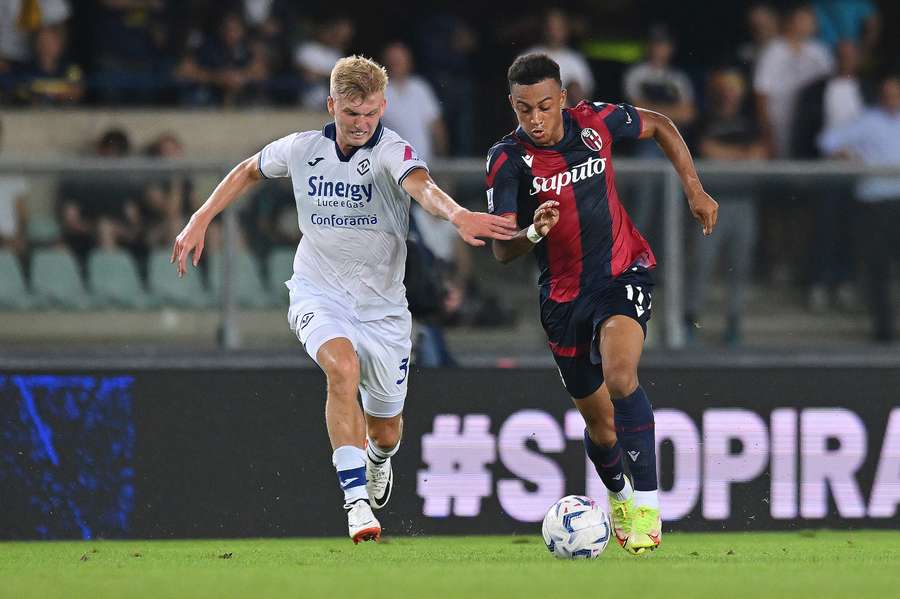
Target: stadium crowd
x,y
808,81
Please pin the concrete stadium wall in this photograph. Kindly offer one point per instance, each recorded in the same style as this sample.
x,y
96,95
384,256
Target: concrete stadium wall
x,y
224,134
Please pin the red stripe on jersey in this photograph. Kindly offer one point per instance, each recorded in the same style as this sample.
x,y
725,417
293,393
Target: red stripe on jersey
x,y
569,351
407,154
564,250
605,111
628,246
495,169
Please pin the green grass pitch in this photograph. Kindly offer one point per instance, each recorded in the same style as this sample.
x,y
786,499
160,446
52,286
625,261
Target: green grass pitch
x,y
799,564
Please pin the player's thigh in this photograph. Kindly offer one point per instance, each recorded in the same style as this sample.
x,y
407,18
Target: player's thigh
x,y
621,343
316,321
384,349
579,375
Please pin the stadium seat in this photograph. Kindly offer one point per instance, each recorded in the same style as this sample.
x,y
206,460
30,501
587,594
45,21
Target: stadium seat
x,y
280,267
42,230
13,292
56,280
114,281
249,289
168,290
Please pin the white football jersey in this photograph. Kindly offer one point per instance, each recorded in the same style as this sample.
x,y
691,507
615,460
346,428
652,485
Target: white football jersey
x,y
353,214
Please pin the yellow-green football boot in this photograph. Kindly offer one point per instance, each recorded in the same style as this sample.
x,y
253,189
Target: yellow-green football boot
x,y
621,513
646,530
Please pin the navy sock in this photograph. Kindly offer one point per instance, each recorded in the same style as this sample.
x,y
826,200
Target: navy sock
x,y
608,462
636,431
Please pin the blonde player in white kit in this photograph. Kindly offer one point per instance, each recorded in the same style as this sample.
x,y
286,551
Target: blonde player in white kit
x,y
352,182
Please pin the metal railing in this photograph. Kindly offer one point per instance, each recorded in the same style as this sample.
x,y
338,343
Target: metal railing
x,y
673,213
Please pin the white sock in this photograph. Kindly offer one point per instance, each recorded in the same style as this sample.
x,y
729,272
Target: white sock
x,y
647,499
350,463
378,455
626,491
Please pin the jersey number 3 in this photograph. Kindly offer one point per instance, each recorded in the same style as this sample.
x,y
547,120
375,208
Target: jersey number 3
x,y
404,368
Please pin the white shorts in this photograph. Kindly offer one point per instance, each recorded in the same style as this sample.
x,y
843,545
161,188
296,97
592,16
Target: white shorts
x,y
383,347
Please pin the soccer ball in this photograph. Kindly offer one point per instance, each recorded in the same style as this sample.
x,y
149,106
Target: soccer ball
x,y
576,527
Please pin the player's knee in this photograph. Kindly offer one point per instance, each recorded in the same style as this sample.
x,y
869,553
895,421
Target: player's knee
x,y
386,434
342,373
621,381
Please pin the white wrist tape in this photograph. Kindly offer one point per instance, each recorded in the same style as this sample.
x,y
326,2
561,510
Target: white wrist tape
x,y
532,234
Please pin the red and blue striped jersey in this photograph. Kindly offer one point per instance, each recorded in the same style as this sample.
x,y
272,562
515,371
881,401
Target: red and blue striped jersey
x,y
594,240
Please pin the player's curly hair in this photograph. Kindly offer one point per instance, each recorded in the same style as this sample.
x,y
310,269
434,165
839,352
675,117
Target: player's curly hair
x,y
529,69
357,77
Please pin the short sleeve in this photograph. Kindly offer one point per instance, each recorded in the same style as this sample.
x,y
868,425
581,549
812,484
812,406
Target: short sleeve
x,y
765,74
430,106
400,159
275,158
502,182
623,121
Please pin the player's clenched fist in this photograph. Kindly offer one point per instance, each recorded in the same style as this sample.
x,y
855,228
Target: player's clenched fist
x,y
546,216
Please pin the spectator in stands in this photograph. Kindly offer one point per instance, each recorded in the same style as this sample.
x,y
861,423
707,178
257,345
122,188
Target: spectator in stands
x,y
165,202
13,213
270,218
272,25
227,68
50,79
857,21
19,19
447,55
657,85
412,108
874,139
85,203
763,23
787,65
727,134
573,68
130,40
830,104
317,57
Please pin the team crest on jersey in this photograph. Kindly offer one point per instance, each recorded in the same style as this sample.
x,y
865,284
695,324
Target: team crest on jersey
x,y
363,167
591,139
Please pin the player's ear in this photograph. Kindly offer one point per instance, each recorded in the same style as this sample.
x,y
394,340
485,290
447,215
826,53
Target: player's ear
x,y
563,94
330,104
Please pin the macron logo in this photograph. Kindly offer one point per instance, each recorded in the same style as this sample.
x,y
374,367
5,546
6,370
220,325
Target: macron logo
x,y
587,169
634,455
528,160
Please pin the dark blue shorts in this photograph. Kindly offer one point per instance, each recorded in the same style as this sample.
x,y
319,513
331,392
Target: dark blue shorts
x,y
571,327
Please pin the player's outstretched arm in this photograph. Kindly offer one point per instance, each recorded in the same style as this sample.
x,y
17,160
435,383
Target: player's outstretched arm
x,y
228,190
545,218
470,225
663,130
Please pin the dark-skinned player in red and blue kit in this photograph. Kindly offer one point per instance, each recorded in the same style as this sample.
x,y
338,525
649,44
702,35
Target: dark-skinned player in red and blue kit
x,y
554,177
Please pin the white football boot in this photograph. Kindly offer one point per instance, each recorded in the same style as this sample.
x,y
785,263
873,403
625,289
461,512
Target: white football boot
x,y
379,482
362,524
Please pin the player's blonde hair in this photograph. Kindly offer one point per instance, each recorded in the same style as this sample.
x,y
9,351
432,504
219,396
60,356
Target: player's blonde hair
x,y
357,77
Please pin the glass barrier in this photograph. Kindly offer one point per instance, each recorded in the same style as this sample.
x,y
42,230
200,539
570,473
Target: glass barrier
x,y
85,251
